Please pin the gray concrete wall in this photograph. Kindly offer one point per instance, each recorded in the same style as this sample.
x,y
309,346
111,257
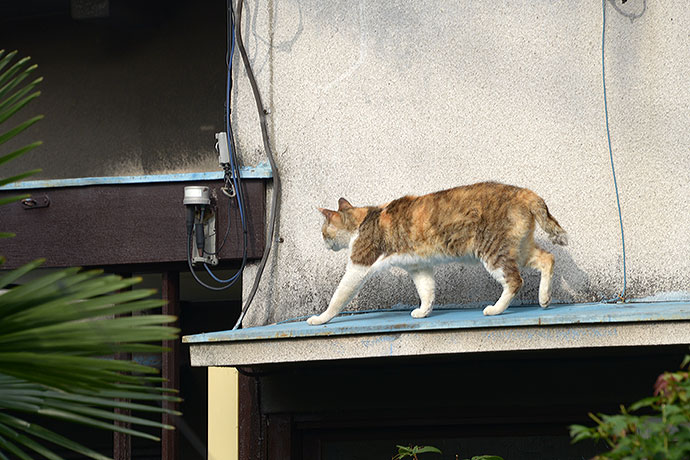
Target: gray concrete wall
x,y
372,100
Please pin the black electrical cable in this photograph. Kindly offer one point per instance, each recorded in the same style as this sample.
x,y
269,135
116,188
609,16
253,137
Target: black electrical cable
x,y
240,202
232,170
227,233
269,154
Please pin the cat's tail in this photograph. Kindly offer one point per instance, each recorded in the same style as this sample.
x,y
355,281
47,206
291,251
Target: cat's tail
x,y
546,221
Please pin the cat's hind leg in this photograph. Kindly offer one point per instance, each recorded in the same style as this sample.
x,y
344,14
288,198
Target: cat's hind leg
x,y
542,261
347,289
508,274
425,284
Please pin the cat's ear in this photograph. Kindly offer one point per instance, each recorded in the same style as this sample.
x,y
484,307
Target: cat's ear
x,y
327,213
343,204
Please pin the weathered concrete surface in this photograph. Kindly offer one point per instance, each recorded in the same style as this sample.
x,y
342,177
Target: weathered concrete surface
x,y
448,331
373,100
141,92
439,342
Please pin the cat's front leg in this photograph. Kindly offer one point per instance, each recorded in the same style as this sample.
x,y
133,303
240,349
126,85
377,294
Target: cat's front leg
x,y
425,284
347,289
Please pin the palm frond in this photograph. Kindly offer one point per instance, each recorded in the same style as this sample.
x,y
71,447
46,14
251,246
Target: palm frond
x,y
54,356
12,102
59,332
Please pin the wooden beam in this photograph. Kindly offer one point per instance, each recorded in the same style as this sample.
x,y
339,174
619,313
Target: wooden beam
x,y
110,225
250,430
122,442
279,437
171,365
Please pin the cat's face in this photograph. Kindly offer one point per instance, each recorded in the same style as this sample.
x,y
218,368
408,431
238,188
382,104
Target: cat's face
x,y
339,226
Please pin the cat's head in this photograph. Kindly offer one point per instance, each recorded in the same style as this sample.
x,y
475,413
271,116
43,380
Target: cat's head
x,y
341,225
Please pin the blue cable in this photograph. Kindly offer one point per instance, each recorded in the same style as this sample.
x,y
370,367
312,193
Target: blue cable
x,y
229,280
613,169
234,170
228,83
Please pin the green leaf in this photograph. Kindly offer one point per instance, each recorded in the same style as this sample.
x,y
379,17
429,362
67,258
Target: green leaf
x,y
88,421
424,449
55,438
12,199
18,153
71,309
20,94
403,451
645,402
22,439
19,128
7,75
685,362
11,447
104,414
15,81
8,112
12,79
109,402
580,432
14,275
18,177
8,57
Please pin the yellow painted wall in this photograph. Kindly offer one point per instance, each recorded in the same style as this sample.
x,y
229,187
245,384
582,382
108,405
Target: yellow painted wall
x,y
223,411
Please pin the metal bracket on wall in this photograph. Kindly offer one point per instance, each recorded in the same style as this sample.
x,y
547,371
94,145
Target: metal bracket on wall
x,y
35,202
209,228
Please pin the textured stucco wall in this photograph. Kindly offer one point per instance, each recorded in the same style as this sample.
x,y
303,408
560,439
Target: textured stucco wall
x,y
374,100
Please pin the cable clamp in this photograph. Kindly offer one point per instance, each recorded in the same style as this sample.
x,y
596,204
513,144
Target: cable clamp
x,y
229,188
229,191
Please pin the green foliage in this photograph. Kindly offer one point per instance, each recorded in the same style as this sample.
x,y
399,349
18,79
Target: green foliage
x,y
58,333
14,97
413,451
404,451
661,432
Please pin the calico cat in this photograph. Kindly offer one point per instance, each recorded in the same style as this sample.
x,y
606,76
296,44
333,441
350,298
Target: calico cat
x,y
489,222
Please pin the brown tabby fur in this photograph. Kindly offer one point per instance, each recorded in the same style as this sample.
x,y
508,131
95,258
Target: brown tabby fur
x,y
488,221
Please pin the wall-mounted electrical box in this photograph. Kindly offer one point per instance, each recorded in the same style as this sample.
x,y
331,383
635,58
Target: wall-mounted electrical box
x,y
201,224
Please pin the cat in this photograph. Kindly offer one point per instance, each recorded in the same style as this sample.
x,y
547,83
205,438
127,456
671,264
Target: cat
x,y
489,222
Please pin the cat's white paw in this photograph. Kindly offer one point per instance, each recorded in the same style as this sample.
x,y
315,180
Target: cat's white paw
x,y
316,320
492,310
419,313
544,300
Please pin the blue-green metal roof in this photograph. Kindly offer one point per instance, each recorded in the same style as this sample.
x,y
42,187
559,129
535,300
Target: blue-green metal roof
x,y
399,320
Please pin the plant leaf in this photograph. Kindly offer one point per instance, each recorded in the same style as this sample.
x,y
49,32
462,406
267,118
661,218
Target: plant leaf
x,y
14,275
12,199
8,57
5,114
20,94
19,128
423,449
17,153
18,177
